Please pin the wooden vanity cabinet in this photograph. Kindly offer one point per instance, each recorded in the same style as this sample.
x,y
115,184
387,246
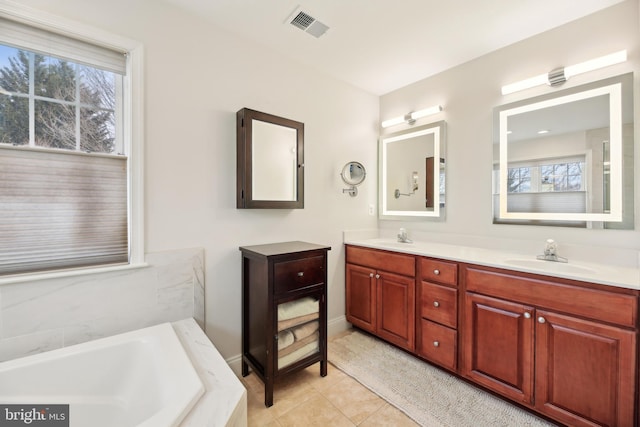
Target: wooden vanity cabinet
x,y
380,294
280,282
437,308
566,349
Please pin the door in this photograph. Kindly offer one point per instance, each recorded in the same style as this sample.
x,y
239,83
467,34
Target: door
x,y
584,371
498,346
396,309
361,297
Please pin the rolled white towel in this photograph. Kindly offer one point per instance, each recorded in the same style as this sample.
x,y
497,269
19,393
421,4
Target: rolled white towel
x,y
285,339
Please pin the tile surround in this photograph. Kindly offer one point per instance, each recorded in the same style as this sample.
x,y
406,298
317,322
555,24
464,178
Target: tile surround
x,y
48,314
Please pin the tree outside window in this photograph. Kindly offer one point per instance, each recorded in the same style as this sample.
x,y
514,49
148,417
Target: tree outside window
x,y
53,103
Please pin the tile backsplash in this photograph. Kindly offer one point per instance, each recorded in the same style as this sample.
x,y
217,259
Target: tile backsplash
x,y
47,314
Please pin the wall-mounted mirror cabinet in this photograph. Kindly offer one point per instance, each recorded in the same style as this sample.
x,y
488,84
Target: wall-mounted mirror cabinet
x,y
412,173
567,158
270,161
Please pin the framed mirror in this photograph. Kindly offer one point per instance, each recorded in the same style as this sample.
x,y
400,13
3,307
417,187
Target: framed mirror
x,y
270,161
353,174
412,173
567,158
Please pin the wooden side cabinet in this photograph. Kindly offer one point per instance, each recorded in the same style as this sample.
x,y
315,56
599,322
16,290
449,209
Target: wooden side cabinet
x,y
284,310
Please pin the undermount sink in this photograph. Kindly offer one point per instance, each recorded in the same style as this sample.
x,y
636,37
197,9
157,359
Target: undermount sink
x,y
558,267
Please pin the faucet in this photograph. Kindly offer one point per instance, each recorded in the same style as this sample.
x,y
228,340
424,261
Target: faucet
x,y
403,238
551,252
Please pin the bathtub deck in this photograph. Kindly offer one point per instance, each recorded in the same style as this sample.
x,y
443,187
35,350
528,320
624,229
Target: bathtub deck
x,y
225,400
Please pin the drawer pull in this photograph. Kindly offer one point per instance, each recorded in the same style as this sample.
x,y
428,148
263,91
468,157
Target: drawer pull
x,y
436,304
300,273
436,344
542,320
527,315
436,272
377,276
370,274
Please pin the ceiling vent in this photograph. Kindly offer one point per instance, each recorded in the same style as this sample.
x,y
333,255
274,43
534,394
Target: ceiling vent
x,y
307,23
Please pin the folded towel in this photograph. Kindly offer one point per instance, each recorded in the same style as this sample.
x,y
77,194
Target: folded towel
x,y
286,324
299,354
298,344
297,308
304,330
285,339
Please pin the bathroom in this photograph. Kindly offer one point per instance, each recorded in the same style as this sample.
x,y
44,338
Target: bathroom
x,y
196,76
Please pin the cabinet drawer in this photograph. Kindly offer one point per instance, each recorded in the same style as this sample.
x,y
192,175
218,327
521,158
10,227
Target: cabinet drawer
x,y
438,344
298,273
439,304
439,271
382,260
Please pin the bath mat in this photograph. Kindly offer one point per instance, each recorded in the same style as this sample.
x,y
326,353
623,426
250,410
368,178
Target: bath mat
x,y
428,395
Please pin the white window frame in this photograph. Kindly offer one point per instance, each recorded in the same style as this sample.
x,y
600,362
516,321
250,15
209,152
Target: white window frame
x,y
133,129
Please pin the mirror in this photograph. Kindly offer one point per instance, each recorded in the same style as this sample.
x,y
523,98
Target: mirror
x,y
567,158
353,174
270,166
412,173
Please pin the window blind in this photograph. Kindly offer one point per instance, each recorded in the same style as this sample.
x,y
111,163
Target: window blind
x,y
42,41
61,210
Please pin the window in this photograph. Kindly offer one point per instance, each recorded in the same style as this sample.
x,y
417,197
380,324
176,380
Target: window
x,y
519,180
70,190
556,175
561,176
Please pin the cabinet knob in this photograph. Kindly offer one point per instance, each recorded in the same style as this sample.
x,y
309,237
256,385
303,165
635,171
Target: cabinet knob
x,y
300,273
436,304
541,320
436,344
436,272
370,274
527,315
377,276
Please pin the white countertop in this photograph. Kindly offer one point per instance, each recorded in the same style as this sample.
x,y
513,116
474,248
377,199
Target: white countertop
x,y
622,277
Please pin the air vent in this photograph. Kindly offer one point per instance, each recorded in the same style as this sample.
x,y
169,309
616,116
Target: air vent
x,y
307,23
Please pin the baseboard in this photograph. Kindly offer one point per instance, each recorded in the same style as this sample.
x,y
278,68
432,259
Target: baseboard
x,y
334,327
235,363
337,325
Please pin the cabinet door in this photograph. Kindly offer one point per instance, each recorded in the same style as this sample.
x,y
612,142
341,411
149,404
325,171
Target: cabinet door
x,y
361,297
498,346
584,371
396,309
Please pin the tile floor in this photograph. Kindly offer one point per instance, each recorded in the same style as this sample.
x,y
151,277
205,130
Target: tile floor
x,y
307,399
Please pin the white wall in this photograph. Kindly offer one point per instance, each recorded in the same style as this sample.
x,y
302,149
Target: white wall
x,y
469,93
196,78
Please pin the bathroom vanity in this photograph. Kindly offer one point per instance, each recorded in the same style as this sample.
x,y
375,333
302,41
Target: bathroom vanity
x,y
562,347
284,311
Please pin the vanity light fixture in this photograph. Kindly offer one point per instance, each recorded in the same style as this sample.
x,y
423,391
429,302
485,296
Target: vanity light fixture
x,y
411,117
560,75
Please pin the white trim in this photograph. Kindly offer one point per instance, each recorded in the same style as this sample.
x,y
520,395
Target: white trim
x,y
30,277
134,112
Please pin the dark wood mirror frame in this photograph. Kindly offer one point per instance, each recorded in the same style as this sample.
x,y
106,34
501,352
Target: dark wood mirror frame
x,y
245,168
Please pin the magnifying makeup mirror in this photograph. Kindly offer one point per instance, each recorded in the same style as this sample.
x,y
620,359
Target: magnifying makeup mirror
x,y
353,174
